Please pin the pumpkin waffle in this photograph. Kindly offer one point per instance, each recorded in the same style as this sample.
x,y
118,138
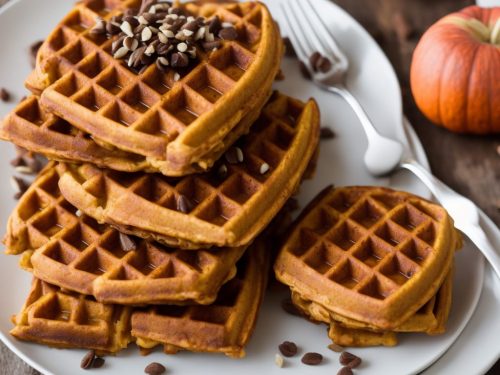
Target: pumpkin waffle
x,y
76,253
177,121
370,254
32,127
225,326
431,318
228,210
65,320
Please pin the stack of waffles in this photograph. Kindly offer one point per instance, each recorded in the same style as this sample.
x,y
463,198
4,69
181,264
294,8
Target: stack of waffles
x,y
169,158
371,262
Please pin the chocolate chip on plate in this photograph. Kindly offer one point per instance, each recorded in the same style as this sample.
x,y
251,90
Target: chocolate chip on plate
x,y
155,368
326,133
345,371
349,359
98,362
34,51
288,348
87,360
4,95
289,307
312,359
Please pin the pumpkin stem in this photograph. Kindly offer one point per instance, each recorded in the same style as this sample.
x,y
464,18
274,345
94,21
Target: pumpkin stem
x,y
481,31
495,33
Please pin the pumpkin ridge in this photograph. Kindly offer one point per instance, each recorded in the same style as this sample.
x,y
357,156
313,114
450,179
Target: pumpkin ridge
x,y
465,120
440,96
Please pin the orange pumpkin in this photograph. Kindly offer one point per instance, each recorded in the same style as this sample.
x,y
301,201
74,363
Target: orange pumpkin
x,y
455,71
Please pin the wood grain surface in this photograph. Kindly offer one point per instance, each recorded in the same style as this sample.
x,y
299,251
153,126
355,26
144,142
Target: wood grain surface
x,y
469,164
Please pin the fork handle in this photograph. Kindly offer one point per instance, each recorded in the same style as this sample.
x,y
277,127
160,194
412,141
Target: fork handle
x,y
458,206
367,124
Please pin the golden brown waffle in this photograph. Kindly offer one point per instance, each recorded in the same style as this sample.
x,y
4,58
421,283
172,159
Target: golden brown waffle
x,y
369,254
431,318
225,326
64,320
227,211
32,127
175,125
76,253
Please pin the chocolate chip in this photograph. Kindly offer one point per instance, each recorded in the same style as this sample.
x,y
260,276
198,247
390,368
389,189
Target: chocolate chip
x,y
131,20
289,49
303,69
228,33
312,359
326,133
291,205
162,49
98,362
87,360
288,348
184,205
127,243
214,25
179,60
349,359
209,46
323,65
130,12
112,29
345,371
289,307
99,27
177,11
336,348
145,5
27,164
4,95
34,51
221,172
191,26
314,58
19,185
155,368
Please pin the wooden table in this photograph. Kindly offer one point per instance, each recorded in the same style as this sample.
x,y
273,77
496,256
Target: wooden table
x,y
470,165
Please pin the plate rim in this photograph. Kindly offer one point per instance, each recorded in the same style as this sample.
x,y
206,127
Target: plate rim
x,y
10,343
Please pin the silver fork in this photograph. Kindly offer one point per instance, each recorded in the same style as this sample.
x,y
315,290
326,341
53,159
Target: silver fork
x,y
383,155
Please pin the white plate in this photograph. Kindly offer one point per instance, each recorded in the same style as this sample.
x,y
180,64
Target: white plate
x,y
25,21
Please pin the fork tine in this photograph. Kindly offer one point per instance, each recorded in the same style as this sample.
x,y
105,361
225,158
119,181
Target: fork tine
x,y
327,39
305,25
302,49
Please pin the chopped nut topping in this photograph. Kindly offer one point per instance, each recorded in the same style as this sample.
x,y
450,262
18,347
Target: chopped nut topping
x,y
159,29
264,168
279,360
127,243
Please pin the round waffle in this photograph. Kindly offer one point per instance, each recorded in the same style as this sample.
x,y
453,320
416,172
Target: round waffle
x,y
225,326
76,253
369,254
431,318
54,317
175,124
229,210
